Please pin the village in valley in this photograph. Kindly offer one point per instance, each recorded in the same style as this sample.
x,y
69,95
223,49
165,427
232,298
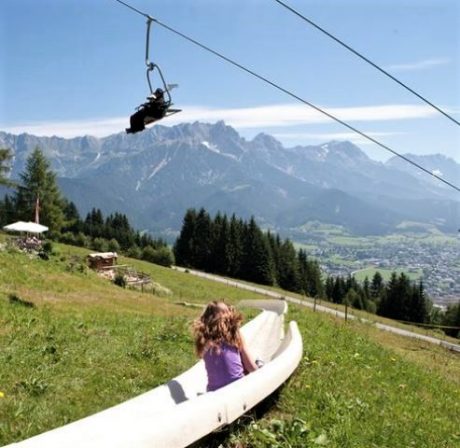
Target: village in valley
x,y
433,259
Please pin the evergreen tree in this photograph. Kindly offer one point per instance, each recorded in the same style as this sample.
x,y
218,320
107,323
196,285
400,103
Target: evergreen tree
x,y
257,263
117,226
220,244
7,211
452,319
419,305
203,238
376,286
94,224
38,187
310,273
339,290
389,302
366,289
329,288
184,249
403,300
234,250
288,268
73,221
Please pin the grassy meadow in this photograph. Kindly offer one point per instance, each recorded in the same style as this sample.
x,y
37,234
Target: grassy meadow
x,y
73,343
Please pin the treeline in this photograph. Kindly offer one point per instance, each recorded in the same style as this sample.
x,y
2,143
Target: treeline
x,y
399,298
113,233
37,189
240,249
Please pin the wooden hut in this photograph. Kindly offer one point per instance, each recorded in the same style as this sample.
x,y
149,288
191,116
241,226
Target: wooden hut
x,y
102,260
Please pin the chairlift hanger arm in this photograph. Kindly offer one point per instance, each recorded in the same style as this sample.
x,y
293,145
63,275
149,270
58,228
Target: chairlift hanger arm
x,y
147,42
151,65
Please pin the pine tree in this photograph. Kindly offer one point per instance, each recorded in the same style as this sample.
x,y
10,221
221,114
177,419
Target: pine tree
x,y
38,187
339,290
329,288
376,286
7,211
288,268
310,275
420,305
220,244
73,221
389,301
366,289
184,250
94,224
257,263
203,238
397,301
234,250
452,319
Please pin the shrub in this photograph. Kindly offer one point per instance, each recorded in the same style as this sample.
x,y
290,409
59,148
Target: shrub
x,y
100,244
113,245
162,256
82,240
68,238
120,280
47,247
134,252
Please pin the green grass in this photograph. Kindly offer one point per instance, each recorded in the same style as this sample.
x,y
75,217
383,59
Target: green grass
x,y
349,391
87,344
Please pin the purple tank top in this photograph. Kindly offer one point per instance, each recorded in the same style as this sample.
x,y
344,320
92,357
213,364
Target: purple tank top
x,y
223,367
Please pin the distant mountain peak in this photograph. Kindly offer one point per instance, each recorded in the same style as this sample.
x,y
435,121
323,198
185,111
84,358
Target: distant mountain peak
x,y
154,176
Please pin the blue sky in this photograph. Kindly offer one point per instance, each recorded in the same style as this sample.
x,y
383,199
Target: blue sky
x,y
76,67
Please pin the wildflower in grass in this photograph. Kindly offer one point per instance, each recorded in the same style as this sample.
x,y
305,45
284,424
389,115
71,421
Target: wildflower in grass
x,y
2,394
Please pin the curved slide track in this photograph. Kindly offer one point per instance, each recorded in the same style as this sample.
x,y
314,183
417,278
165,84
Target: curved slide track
x,y
181,412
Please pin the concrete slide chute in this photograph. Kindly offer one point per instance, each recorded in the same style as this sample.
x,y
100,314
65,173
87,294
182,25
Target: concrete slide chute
x,y
180,412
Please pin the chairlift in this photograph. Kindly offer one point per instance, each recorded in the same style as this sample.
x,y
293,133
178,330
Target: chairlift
x,y
159,102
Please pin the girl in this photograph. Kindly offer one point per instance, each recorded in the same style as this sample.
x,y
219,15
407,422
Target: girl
x,y
218,341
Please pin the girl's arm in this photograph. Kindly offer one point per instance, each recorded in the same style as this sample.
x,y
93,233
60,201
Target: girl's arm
x,y
248,363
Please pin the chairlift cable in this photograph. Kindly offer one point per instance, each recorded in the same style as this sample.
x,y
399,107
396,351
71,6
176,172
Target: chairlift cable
x,y
298,98
364,58
134,9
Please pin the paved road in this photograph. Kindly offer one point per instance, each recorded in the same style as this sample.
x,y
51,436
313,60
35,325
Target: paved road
x,y
322,308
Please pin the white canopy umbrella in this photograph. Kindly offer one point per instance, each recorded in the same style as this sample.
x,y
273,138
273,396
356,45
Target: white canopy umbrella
x,y
30,227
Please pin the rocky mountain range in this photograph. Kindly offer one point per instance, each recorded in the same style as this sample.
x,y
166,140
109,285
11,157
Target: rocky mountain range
x,y
154,176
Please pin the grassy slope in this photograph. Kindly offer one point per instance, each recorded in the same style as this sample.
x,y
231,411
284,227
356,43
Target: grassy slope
x,y
88,344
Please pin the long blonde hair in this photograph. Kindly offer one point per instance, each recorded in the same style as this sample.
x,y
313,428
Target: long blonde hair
x,y
218,324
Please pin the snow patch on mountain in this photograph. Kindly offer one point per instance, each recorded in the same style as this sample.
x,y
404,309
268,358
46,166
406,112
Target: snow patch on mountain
x,y
160,166
215,149
98,156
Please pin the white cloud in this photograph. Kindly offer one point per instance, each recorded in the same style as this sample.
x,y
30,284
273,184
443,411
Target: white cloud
x,y
282,115
420,65
69,129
